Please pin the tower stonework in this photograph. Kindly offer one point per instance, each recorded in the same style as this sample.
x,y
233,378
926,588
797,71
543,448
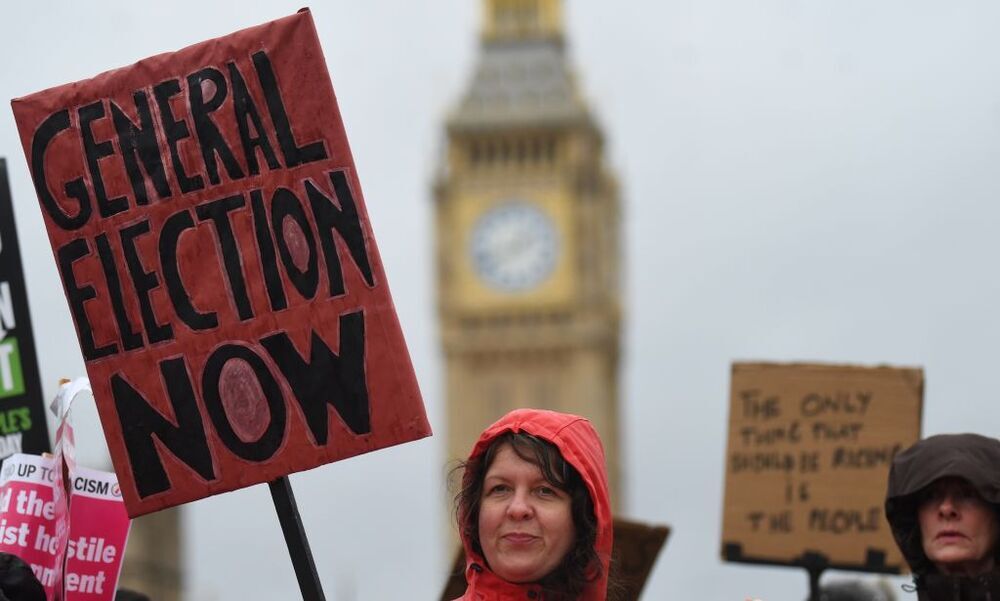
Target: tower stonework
x,y
527,223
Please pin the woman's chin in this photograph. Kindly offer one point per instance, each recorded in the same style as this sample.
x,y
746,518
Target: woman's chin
x,y
518,572
960,564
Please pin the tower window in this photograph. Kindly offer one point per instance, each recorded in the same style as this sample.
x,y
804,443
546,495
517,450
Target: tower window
x,y
522,151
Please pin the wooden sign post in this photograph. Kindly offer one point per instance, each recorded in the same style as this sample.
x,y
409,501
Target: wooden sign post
x,y
214,246
807,463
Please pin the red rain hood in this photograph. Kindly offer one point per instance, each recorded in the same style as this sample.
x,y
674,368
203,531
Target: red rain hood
x,y
579,444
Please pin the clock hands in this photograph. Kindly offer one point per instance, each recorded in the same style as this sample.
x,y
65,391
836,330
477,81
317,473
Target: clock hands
x,y
514,246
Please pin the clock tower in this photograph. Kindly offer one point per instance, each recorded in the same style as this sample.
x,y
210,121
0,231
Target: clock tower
x,y
527,233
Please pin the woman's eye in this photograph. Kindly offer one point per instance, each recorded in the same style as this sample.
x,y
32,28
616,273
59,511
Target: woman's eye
x,y
546,491
498,488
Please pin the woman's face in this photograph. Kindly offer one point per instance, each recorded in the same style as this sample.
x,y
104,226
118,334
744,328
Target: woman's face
x,y
958,528
525,523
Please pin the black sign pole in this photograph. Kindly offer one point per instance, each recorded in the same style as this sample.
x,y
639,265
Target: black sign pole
x,y
815,564
295,538
814,590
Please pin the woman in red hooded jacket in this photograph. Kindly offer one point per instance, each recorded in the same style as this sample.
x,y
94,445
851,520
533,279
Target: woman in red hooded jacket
x,y
534,511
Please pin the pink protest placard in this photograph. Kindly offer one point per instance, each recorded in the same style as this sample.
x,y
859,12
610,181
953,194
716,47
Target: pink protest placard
x,y
29,518
98,532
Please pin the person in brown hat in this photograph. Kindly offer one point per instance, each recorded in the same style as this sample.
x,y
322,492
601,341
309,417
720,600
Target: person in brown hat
x,y
943,503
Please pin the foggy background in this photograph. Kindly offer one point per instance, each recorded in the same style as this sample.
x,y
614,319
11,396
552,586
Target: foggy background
x,y
802,180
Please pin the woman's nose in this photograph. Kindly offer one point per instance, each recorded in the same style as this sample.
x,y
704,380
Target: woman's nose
x,y
520,506
947,506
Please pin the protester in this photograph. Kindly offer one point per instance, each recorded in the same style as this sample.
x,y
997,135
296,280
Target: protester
x,y
942,504
17,581
534,511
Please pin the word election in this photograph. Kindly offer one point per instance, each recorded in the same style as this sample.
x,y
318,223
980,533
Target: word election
x,y
297,246
146,148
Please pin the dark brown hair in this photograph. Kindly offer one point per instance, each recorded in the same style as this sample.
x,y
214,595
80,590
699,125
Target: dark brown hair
x,y
581,565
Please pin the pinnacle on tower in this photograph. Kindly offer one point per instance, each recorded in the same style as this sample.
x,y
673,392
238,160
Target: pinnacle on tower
x,y
509,20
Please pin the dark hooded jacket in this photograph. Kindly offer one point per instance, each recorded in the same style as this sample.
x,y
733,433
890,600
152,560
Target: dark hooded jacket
x,y
972,457
580,446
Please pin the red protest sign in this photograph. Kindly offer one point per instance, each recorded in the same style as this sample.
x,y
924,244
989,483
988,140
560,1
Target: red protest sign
x,y
213,242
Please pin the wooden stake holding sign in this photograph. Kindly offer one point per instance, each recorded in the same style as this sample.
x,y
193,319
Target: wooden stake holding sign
x,y
808,459
214,246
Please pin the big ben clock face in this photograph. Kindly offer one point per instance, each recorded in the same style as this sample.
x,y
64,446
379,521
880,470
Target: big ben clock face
x,y
514,246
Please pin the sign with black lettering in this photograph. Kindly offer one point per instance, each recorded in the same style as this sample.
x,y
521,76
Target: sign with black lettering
x,y
22,407
808,459
215,249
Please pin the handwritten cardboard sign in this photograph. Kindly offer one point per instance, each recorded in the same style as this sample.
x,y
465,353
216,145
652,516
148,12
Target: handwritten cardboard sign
x,y
215,249
22,408
807,461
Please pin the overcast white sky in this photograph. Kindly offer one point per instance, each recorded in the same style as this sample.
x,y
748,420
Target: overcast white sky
x,y
803,180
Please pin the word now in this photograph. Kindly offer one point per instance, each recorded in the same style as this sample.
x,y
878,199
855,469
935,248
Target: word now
x,y
319,381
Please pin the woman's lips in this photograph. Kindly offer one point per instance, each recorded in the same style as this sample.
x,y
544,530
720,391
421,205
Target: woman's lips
x,y
949,535
519,538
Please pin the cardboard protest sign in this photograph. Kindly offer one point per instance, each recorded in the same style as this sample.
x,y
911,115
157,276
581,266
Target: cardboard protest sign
x,y
808,458
636,547
22,408
215,249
